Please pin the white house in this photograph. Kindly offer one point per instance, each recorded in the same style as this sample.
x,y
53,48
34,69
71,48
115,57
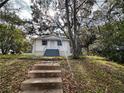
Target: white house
x,y
51,45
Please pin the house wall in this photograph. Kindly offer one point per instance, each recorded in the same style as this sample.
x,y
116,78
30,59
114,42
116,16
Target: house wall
x,y
39,49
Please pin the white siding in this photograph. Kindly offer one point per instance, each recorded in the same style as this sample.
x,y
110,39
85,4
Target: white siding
x,y
39,49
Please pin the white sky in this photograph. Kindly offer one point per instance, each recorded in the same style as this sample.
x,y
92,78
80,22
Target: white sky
x,y
26,11
24,5
28,1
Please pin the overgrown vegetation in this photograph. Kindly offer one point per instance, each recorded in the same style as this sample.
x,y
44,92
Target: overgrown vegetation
x,y
93,74
110,42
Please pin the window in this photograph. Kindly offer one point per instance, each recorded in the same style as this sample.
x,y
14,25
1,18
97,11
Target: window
x,y
59,43
44,42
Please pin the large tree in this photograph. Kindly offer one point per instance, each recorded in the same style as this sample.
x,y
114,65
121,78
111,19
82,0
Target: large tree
x,y
77,11
69,18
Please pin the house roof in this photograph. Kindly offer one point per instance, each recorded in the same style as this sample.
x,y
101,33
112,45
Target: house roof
x,y
52,37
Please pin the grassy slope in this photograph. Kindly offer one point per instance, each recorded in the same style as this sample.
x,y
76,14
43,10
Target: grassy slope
x,y
12,73
93,75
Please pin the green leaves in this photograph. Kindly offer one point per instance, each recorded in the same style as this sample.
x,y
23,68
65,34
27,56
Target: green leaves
x,y
11,18
12,39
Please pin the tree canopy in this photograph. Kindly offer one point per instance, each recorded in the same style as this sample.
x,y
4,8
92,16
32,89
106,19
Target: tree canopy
x,y
12,40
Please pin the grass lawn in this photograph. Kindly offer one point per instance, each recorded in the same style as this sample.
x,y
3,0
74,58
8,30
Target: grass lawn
x,y
91,74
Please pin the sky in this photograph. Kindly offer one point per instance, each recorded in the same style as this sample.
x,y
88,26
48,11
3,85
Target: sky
x,y
25,11
24,5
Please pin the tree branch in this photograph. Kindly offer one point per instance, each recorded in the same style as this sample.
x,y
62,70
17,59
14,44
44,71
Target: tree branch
x,y
3,3
81,4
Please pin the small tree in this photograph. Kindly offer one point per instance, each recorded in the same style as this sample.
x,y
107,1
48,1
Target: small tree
x,y
88,37
12,39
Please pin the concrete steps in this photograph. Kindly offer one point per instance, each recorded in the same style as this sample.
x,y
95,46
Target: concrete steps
x,y
44,73
44,78
47,66
42,83
45,91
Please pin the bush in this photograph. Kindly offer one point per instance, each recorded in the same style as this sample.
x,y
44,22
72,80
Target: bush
x,y
114,55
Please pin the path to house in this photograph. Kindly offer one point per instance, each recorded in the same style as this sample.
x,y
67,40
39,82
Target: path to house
x,y
45,77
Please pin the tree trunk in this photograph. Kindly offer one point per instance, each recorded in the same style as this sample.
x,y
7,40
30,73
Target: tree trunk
x,y
73,36
87,48
68,21
76,52
77,48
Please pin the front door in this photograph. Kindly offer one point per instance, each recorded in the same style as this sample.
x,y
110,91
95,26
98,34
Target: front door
x,y
53,45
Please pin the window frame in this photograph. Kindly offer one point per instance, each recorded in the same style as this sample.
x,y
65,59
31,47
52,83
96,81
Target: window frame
x,y
59,42
44,42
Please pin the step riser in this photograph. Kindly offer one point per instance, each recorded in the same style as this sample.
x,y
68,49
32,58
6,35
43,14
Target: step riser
x,y
46,91
43,75
41,86
46,68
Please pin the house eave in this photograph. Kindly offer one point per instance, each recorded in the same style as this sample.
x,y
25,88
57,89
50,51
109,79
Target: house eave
x,y
49,39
